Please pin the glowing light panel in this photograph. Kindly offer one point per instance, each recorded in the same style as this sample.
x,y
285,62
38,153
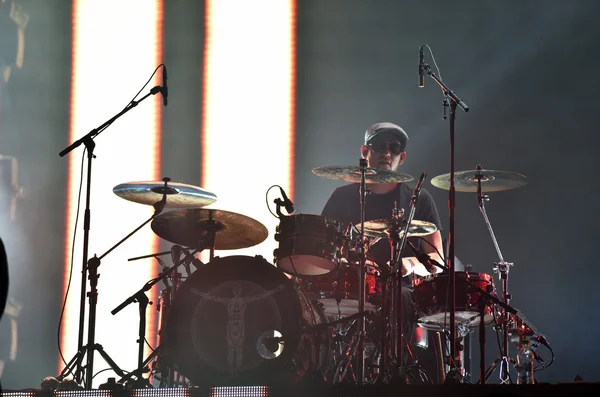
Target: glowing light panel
x,y
116,46
249,82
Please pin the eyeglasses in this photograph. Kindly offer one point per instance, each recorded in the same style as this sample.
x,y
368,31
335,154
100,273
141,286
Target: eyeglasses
x,y
395,148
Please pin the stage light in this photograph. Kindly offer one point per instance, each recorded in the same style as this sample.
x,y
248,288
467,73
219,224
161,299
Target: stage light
x,y
248,114
116,46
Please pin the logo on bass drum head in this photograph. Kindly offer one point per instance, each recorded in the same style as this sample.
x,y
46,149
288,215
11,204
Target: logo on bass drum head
x,y
228,319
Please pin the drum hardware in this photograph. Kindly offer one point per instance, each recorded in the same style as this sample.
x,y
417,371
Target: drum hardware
x,y
92,269
142,299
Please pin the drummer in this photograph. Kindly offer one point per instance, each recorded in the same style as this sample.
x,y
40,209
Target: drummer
x,y
385,149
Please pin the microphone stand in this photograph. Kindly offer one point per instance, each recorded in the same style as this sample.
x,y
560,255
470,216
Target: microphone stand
x,y
454,102
362,275
502,268
88,141
91,346
143,301
397,309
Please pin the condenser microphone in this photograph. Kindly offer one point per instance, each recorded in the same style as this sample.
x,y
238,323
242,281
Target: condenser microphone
x,y
176,254
417,191
421,68
287,203
165,88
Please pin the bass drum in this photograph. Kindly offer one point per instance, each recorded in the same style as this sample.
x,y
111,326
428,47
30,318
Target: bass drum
x,y
238,320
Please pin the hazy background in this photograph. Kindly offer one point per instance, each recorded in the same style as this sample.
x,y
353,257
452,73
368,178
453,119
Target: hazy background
x,y
527,69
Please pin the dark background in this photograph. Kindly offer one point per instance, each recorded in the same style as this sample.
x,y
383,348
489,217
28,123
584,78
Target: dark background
x,y
527,69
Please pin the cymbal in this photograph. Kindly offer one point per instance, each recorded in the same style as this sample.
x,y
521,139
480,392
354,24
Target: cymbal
x,y
190,227
381,227
351,173
179,195
491,180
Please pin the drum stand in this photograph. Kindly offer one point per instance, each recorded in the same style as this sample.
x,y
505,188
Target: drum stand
x,y
502,268
143,301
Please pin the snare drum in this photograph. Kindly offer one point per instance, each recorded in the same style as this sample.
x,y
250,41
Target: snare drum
x,y
309,245
433,301
342,285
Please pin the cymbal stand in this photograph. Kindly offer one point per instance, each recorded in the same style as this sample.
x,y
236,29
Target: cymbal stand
x,y
91,264
455,101
502,268
143,301
92,267
362,331
398,242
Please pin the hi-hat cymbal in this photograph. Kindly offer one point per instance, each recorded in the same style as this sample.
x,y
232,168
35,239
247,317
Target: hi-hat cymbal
x,y
179,195
190,227
381,228
491,180
351,173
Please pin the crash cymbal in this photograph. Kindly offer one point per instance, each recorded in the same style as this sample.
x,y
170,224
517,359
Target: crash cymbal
x,y
351,173
381,227
179,195
190,227
491,180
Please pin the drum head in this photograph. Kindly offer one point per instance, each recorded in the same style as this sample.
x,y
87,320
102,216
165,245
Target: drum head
x,y
221,315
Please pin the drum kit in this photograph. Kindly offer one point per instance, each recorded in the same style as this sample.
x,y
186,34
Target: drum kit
x,y
321,311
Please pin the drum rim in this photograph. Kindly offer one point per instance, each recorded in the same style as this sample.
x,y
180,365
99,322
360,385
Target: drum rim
x,y
475,276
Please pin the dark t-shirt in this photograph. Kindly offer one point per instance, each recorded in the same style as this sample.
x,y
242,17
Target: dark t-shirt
x,y
344,206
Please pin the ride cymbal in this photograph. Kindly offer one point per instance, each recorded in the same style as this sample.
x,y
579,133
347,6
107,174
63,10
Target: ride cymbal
x,y
191,227
382,227
179,195
491,180
351,173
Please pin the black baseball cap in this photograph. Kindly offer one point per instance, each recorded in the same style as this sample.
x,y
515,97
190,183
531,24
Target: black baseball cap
x,y
378,128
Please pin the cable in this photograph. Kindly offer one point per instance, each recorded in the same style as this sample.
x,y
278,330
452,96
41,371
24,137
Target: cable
x,y
267,201
163,65
434,62
106,369
148,343
62,312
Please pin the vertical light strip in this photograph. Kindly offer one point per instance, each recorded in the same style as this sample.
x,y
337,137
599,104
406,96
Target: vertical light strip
x,y
116,46
249,83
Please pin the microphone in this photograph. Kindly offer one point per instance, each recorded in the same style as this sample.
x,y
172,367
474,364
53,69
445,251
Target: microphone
x,y
417,191
421,69
287,203
176,254
164,89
